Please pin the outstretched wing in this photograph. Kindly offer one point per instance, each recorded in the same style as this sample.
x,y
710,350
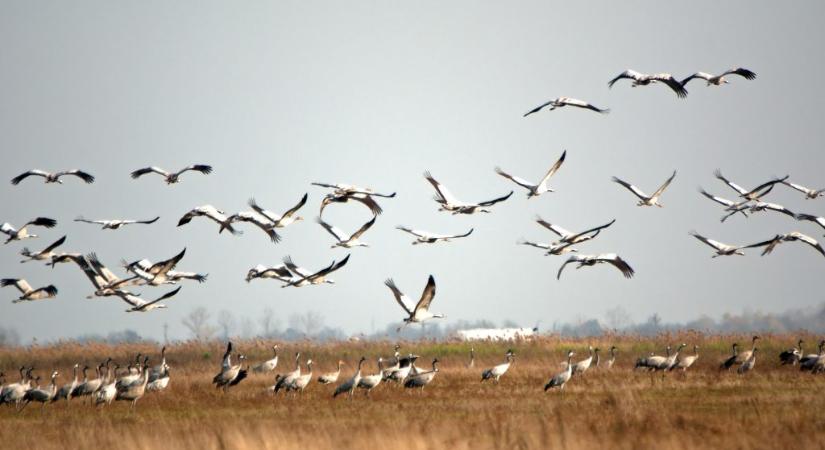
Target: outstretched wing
x,y
147,222
426,296
87,177
768,184
572,259
441,191
596,230
808,240
533,244
300,271
710,242
629,74
140,172
563,233
583,104
720,200
169,264
416,233
495,200
742,72
399,296
268,214
334,231
665,185
769,245
672,83
364,228
16,180
456,236
631,188
519,181
734,186
700,75
202,168
295,208
163,297
618,263
84,220
809,217
555,168
538,108
54,245
21,284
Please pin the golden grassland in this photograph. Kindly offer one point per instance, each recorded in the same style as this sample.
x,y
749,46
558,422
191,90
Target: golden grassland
x,y
621,408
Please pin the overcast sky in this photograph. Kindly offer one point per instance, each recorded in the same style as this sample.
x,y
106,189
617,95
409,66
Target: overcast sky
x,y
276,95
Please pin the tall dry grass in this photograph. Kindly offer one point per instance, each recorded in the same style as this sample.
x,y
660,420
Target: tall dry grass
x,y
620,408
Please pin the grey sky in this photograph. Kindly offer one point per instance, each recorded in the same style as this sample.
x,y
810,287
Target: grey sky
x,y
276,95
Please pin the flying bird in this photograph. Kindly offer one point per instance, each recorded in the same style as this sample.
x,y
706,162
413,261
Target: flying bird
x,y
105,281
425,237
644,199
592,260
116,223
172,177
721,249
46,253
279,272
449,203
568,237
139,305
641,79
534,190
421,311
793,236
753,194
173,276
54,177
256,219
348,189
734,207
23,233
280,221
29,293
810,194
211,213
364,199
567,101
718,80
552,248
343,193
765,206
303,277
158,273
347,241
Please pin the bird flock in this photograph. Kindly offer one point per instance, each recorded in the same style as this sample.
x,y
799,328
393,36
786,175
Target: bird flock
x,y
131,382
143,273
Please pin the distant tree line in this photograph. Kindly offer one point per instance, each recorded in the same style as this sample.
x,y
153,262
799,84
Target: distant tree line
x,y
200,325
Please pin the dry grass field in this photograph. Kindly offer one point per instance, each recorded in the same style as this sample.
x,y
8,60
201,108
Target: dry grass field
x,y
620,408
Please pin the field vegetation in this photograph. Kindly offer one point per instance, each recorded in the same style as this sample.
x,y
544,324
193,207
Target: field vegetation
x,y
770,407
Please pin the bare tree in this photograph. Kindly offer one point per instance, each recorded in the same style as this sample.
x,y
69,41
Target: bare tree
x,y
310,323
247,328
8,337
197,322
618,318
266,321
227,323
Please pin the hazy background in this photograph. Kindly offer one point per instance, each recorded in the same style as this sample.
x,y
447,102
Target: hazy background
x,y
276,95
